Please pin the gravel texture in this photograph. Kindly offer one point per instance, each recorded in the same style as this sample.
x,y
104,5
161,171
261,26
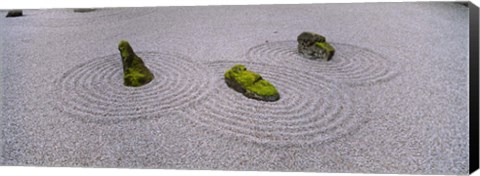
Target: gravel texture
x,y
394,98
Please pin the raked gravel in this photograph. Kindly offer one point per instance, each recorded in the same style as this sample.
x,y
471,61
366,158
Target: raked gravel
x,y
394,99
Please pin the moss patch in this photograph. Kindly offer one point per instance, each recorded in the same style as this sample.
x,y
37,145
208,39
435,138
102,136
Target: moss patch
x,y
314,46
135,73
309,38
133,78
263,88
251,84
328,48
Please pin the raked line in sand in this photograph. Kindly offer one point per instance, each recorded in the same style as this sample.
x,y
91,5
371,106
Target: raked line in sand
x,y
313,107
351,64
94,91
310,110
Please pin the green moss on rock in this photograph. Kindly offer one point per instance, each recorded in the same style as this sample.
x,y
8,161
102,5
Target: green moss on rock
x,y
329,50
135,73
250,84
309,38
314,46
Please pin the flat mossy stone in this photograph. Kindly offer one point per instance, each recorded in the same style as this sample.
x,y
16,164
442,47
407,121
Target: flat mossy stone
x,y
250,84
14,13
135,73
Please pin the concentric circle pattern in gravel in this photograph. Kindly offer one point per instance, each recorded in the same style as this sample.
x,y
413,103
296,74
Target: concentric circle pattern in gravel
x,y
94,91
310,109
350,65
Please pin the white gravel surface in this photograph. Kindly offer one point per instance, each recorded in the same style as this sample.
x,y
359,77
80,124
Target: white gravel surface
x,y
394,99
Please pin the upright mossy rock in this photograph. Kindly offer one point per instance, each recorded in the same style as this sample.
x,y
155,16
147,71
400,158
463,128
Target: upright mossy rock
x,y
314,46
135,73
250,84
14,13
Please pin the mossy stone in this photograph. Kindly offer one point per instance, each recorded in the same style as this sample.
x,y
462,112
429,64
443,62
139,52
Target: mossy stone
x,y
314,46
135,73
83,10
328,49
14,13
250,84
309,38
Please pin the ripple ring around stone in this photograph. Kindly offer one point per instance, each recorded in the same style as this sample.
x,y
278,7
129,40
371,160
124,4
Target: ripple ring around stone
x,y
350,65
311,110
94,91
